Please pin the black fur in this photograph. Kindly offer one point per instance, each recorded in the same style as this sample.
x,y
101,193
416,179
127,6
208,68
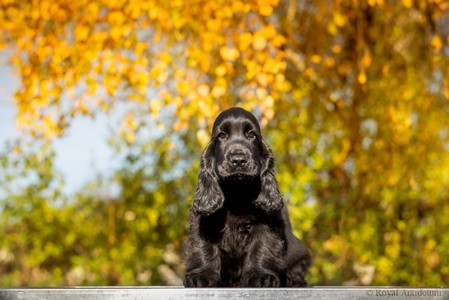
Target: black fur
x,y
240,232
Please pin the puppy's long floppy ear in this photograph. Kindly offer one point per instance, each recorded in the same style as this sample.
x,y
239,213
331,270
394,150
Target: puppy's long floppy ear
x,y
208,195
269,199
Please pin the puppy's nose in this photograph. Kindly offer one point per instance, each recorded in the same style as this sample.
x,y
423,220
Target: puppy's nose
x,y
238,159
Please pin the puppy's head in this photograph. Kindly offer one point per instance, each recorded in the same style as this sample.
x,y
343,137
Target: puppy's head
x,y
236,153
237,145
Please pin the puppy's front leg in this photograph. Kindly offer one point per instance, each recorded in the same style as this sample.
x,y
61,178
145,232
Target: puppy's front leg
x,y
264,264
262,279
202,265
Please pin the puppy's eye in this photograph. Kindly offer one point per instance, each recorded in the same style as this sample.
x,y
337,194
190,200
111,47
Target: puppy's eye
x,y
251,135
222,135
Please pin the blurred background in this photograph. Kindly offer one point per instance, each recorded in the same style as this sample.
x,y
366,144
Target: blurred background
x,y
106,106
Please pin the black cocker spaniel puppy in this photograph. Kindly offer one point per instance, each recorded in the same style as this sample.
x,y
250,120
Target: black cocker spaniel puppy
x,y
240,232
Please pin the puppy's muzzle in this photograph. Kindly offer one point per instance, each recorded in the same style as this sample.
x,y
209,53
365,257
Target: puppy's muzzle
x,y
238,158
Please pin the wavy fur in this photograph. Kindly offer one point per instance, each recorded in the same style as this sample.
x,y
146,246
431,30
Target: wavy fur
x,y
240,233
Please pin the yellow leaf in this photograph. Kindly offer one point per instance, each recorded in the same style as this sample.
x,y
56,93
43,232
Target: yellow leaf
x,y
436,43
268,113
81,107
430,244
263,79
310,72
182,88
220,71
203,90
268,32
393,114
279,40
362,77
261,93
166,57
332,28
274,66
116,17
16,150
375,2
265,9
407,3
337,49
329,62
129,136
129,121
446,93
339,19
140,47
155,107
205,63
82,32
213,25
316,58
203,137
50,127
341,157
218,91
178,102
237,6
269,101
366,60
245,40
116,32
162,77
259,42
230,54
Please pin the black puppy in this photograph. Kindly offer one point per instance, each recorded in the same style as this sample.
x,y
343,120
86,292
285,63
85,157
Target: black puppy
x,y
240,232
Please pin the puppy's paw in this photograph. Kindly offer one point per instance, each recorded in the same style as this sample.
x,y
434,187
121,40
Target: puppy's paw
x,y
262,280
200,280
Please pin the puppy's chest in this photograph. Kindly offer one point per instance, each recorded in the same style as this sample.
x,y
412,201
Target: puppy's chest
x,y
238,233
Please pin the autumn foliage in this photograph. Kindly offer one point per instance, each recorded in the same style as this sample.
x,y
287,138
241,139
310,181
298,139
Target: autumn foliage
x,y
353,97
